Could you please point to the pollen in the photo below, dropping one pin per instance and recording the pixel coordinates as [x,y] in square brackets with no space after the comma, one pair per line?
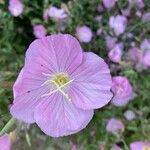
[146,148]
[61,79]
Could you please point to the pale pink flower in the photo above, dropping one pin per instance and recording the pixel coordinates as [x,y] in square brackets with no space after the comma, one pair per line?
[123,91]
[126,11]
[129,115]
[115,126]
[138,13]
[116,53]
[145,45]
[110,42]
[139,3]
[140,145]
[118,24]
[15,7]
[146,17]
[39,31]
[5,142]
[135,55]
[57,13]
[60,85]
[84,34]
[109,3]
[146,59]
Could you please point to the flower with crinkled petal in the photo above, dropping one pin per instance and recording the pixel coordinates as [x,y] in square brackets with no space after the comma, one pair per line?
[60,85]
[118,24]
[84,34]
[140,145]
[15,7]
[115,126]
[123,91]
[5,142]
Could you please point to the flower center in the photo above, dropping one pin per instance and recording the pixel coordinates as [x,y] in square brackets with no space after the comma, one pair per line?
[146,148]
[59,81]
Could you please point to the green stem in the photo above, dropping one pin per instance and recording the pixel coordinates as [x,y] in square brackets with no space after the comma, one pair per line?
[8,126]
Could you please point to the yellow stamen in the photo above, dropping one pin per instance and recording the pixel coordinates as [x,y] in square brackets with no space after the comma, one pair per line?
[60,81]
[146,148]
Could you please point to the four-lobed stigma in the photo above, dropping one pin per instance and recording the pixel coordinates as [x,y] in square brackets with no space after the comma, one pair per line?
[59,81]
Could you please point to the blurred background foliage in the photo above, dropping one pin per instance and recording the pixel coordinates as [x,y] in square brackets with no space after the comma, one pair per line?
[15,36]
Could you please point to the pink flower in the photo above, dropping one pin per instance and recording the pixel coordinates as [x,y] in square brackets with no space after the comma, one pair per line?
[126,11]
[15,7]
[139,145]
[115,126]
[123,91]
[145,45]
[115,147]
[118,24]
[60,85]
[39,31]
[138,13]
[139,3]
[146,17]
[84,34]
[110,42]
[135,55]
[129,115]
[57,13]
[146,59]
[5,142]
[116,53]
[109,3]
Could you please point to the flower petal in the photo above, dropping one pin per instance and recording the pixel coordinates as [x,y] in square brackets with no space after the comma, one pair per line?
[92,83]
[27,93]
[24,104]
[59,117]
[55,54]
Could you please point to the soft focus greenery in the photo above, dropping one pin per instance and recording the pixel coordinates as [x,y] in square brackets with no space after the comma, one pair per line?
[15,36]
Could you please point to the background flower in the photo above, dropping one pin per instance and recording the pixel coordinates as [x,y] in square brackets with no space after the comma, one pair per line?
[109,3]
[39,31]
[118,24]
[139,145]
[123,91]
[84,34]
[115,126]
[129,115]
[5,143]
[56,13]
[15,7]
